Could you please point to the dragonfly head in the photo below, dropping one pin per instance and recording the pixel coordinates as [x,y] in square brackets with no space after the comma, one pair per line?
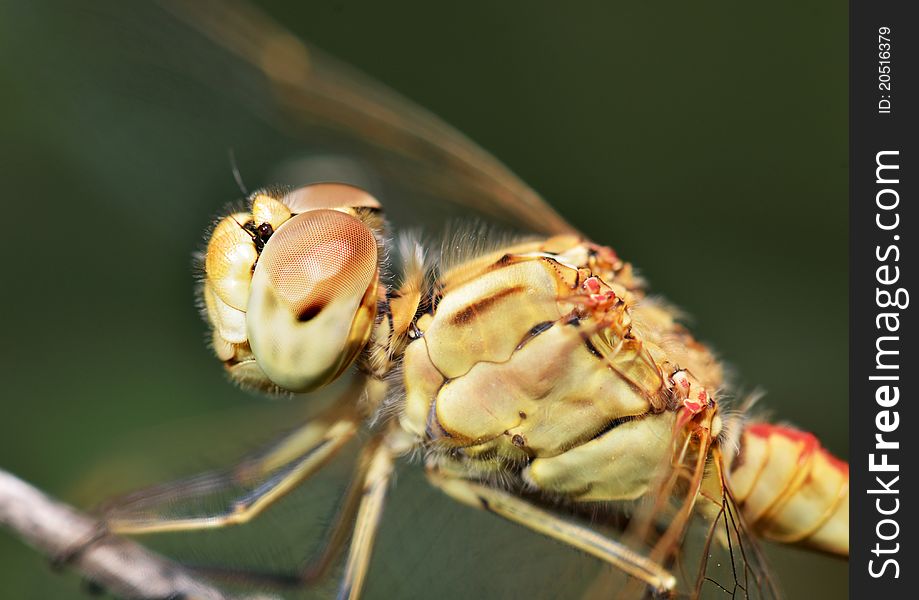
[309,297]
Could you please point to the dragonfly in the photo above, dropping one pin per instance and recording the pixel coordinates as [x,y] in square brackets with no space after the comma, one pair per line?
[531,376]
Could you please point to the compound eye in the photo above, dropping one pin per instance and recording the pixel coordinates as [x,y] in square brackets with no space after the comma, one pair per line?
[313,298]
[329,195]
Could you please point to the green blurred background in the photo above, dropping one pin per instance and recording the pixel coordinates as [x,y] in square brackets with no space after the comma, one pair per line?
[706,142]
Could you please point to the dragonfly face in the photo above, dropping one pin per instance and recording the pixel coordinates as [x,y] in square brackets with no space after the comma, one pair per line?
[298,316]
[413,173]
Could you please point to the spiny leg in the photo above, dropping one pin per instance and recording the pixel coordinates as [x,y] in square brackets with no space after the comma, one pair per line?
[337,537]
[374,488]
[269,476]
[318,567]
[583,538]
[365,498]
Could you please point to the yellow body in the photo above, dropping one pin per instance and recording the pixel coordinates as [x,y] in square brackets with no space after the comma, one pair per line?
[513,368]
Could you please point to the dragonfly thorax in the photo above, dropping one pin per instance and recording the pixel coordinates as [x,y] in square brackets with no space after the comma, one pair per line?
[532,362]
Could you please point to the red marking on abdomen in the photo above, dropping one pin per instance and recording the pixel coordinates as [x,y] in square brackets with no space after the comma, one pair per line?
[810,441]
[764,430]
[838,463]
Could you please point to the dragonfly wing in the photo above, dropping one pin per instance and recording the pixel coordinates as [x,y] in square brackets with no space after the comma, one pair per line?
[223,75]
[423,162]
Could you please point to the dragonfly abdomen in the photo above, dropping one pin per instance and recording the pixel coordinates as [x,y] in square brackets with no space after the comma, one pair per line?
[791,489]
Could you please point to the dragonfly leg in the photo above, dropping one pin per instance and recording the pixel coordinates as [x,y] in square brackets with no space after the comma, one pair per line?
[357,518]
[373,494]
[340,532]
[257,482]
[518,510]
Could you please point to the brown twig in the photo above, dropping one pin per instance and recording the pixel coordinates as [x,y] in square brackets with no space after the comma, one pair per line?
[122,567]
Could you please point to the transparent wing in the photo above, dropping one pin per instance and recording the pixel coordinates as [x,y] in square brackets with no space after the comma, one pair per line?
[737,567]
[301,89]
[290,114]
